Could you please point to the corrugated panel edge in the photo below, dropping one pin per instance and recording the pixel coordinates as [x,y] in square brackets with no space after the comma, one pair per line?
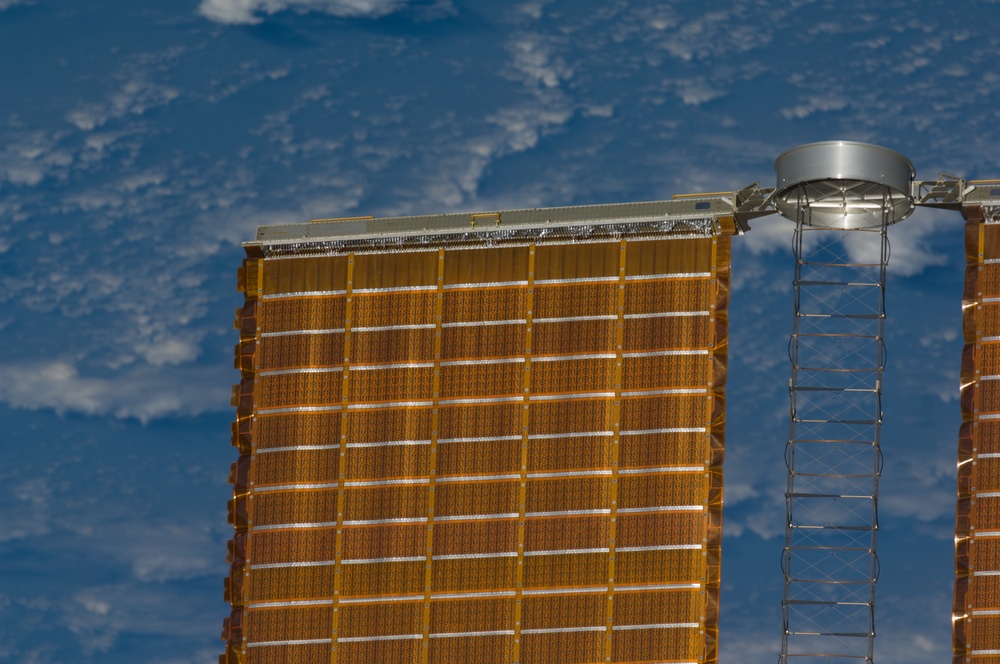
[967,430]
[250,283]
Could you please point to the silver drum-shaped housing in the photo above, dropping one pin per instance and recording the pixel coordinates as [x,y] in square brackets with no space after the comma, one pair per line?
[844,184]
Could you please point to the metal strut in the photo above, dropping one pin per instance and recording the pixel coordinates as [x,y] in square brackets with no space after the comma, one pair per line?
[833,455]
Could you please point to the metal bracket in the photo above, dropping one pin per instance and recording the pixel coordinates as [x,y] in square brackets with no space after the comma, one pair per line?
[947,192]
[752,202]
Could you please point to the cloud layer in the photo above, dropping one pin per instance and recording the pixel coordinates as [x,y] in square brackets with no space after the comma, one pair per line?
[247,12]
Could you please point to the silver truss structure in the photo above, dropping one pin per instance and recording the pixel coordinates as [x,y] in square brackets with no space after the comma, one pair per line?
[833,454]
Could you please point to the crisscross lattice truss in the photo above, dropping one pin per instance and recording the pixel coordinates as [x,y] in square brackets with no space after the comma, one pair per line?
[833,454]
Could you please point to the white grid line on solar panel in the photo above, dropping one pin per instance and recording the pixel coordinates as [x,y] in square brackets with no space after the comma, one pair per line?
[477,517]
[480,594]
[326,293]
[987,533]
[659,547]
[452,635]
[302,370]
[391,637]
[492,360]
[568,358]
[578,395]
[473,400]
[573,319]
[986,612]
[283,526]
[466,635]
[570,473]
[664,353]
[989,455]
[661,508]
[989,416]
[642,432]
[390,443]
[667,314]
[566,474]
[990,377]
[334,485]
[988,494]
[564,552]
[678,390]
[671,275]
[311,563]
[439,635]
[389,328]
[570,434]
[478,439]
[499,284]
[577,280]
[975,653]
[487,517]
[604,589]
[412,559]
[295,602]
[293,642]
[291,487]
[395,365]
[298,448]
[293,333]
[485,323]
[490,517]
[988,261]
[341,330]
[991,338]
[986,573]
[393,289]
[297,409]
[478,478]
[530,515]
[660,469]
[389,404]
[485,284]
[657,626]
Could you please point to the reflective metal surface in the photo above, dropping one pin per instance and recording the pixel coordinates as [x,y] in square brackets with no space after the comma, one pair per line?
[844,184]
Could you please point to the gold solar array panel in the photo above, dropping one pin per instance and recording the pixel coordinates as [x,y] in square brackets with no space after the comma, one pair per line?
[462,453]
[976,612]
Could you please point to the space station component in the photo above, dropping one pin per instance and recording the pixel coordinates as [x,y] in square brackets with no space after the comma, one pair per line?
[482,438]
[842,197]
[498,436]
[976,609]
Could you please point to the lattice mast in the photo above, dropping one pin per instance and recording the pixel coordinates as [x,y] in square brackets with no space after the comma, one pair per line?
[842,197]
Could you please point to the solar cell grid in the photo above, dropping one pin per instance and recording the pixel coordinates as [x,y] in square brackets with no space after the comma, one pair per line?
[506,454]
[977,587]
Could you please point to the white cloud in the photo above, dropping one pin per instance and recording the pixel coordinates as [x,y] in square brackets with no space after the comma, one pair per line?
[911,251]
[29,516]
[159,552]
[814,104]
[99,615]
[144,392]
[135,96]
[534,59]
[247,12]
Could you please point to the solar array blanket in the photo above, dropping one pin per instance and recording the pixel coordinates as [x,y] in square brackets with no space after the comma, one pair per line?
[976,612]
[491,454]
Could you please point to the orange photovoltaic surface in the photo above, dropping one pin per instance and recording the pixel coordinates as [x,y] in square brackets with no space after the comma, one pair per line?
[976,611]
[461,453]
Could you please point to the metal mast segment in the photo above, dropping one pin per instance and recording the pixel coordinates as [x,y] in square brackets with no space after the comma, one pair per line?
[842,197]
